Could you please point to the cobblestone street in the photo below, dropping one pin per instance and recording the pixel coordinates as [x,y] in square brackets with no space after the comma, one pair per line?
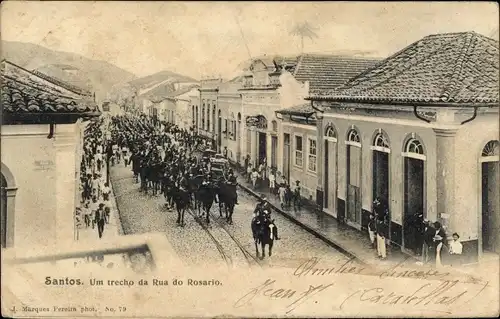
[221,243]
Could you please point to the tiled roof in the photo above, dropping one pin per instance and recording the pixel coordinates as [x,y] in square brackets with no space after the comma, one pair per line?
[302,109]
[330,71]
[24,92]
[448,68]
[65,85]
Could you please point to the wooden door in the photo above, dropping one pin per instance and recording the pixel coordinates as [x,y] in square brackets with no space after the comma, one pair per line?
[274,147]
[286,157]
[332,177]
[354,184]
[353,203]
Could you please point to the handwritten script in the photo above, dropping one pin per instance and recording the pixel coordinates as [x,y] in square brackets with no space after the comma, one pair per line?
[270,290]
[438,291]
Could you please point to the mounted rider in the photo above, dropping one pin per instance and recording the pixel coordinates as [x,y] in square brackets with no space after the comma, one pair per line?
[262,215]
[183,183]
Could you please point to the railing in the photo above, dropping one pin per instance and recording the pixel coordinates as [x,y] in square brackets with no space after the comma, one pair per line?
[140,253]
[274,82]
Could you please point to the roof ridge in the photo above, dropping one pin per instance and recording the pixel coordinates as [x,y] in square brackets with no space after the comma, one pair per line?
[68,86]
[379,63]
[41,76]
[400,69]
[418,61]
[454,81]
[450,34]
[339,56]
[37,88]
[299,64]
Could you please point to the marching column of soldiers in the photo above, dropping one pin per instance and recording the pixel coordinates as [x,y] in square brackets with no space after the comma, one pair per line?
[162,158]
[161,154]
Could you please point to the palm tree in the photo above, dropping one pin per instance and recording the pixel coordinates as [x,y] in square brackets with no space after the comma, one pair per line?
[304,29]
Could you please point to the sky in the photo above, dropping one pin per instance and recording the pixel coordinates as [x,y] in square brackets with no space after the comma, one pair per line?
[206,39]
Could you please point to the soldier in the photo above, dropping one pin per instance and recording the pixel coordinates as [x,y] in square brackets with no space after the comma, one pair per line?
[232,181]
[263,212]
[260,206]
[183,182]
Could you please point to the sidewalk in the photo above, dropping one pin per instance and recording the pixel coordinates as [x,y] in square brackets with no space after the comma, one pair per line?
[113,229]
[344,238]
[350,241]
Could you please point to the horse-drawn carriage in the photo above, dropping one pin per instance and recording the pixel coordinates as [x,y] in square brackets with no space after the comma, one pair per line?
[218,168]
[208,154]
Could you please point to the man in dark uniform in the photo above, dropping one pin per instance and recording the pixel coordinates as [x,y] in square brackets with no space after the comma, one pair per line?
[183,182]
[428,252]
[232,181]
[100,219]
[262,212]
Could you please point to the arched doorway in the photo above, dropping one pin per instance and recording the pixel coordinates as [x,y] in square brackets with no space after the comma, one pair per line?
[4,213]
[490,212]
[274,145]
[381,151]
[414,191]
[330,171]
[7,207]
[261,126]
[353,145]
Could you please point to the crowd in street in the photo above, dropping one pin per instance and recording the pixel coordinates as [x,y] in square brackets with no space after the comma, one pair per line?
[162,157]
[94,187]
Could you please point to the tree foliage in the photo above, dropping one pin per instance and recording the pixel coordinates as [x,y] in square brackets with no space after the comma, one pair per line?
[304,30]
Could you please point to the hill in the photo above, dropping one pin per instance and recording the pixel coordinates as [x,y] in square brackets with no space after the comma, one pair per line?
[101,76]
[160,77]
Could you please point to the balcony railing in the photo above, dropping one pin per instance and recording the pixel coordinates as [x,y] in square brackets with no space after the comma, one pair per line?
[274,82]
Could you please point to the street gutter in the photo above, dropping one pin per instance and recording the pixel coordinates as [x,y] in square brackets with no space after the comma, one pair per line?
[311,230]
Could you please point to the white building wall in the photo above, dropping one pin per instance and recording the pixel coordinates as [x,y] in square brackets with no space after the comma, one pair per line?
[45,175]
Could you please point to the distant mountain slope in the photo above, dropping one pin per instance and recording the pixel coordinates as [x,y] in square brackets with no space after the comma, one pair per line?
[101,75]
[159,77]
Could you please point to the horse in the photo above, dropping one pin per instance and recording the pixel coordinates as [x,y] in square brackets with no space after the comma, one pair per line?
[144,173]
[227,199]
[155,176]
[262,231]
[181,199]
[205,196]
[168,190]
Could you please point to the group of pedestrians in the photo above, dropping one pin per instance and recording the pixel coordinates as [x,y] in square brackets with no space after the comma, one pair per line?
[95,191]
[436,248]
[429,238]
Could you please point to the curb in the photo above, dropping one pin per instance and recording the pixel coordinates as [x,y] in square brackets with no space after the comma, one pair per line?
[311,230]
[118,218]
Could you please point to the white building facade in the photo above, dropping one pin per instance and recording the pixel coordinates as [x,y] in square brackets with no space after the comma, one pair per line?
[41,152]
